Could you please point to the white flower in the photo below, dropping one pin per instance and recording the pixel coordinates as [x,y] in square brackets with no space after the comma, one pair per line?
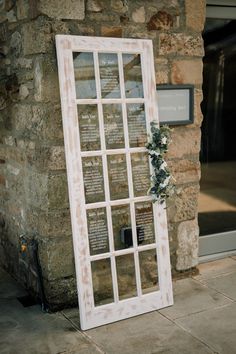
[163,165]
[165,183]
[164,140]
[153,152]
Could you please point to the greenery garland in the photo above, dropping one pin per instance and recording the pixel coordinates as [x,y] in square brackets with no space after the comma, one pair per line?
[161,187]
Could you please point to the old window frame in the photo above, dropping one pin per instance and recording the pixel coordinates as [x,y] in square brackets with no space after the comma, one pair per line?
[90,315]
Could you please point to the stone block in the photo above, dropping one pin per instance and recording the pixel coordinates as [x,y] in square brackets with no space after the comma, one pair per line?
[61,292]
[185,170]
[56,223]
[187,251]
[56,257]
[195,14]
[36,189]
[184,142]
[162,76]
[111,31]
[48,122]
[37,36]
[22,9]
[16,44]
[183,205]
[56,159]
[162,20]
[57,191]
[187,72]
[180,43]
[46,80]
[60,9]
[119,6]
[94,5]
[138,15]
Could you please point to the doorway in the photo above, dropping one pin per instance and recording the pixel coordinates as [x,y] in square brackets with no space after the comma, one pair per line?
[217,201]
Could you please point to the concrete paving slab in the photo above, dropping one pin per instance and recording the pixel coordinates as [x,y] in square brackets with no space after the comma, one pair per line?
[225,284]
[215,327]
[33,332]
[215,268]
[190,297]
[27,330]
[9,287]
[73,316]
[147,334]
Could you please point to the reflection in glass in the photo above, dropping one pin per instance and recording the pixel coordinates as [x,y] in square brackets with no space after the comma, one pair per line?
[141,173]
[117,172]
[93,179]
[89,127]
[144,223]
[136,125]
[85,84]
[132,75]
[125,269]
[109,75]
[102,282]
[122,231]
[113,125]
[148,271]
[97,231]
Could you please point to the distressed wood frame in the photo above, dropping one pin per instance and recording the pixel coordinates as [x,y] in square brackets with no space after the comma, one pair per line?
[90,315]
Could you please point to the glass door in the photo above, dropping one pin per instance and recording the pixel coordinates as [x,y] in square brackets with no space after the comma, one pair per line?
[217,202]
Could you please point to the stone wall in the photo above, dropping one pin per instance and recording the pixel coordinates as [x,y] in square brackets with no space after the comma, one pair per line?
[33,183]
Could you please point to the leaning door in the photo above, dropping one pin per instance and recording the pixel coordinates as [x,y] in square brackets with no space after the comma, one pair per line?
[120,237]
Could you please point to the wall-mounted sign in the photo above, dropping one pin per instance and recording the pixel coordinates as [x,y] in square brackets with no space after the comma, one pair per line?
[120,238]
[175,104]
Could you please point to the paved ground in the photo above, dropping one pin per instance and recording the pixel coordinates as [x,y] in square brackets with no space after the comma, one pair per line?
[202,321]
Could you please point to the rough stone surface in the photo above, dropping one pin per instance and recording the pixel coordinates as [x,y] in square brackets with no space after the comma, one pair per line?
[185,170]
[181,44]
[139,15]
[187,252]
[187,71]
[56,258]
[183,205]
[195,14]
[111,31]
[37,37]
[160,21]
[60,9]
[94,5]
[191,145]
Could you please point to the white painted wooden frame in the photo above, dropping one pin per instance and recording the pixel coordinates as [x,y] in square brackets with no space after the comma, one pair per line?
[90,315]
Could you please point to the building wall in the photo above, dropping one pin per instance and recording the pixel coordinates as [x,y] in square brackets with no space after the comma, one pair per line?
[33,184]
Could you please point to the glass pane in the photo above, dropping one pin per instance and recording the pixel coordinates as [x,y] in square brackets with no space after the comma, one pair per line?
[113,125]
[141,173]
[148,271]
[97,231]
[132,75]
[89,127]
[118,181]
[144,223]
[85,85]
[93,179]
[136,124]
[126,276]
[109,75]
[122,230]
[102,282]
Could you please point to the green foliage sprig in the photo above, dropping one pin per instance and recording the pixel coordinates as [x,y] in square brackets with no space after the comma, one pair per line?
[161,186]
